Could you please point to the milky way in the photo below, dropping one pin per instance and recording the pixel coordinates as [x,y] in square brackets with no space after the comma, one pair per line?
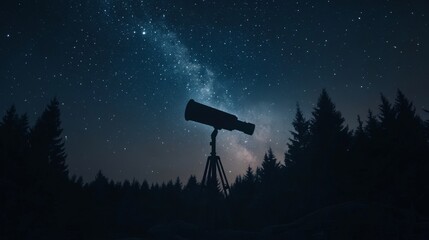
[202,85]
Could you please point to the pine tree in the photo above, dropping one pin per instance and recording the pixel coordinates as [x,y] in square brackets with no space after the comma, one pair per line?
[372,126]
[408,153]
[359,139]
[387,115]
[100,184]
[10,118]
[249,177]
[362,159]
[244,185]
[299,141]
[102,204]
[192,184]
[365,157]
[248,185]
[407,122]
[327,123]
[329,148]
[49,167]
[328,133]
[359,133]
[192,201]
[144,187]
[178,185]
[47,143]
[270,168]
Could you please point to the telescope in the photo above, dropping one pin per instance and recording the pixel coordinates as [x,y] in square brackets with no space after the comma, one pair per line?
[218,119]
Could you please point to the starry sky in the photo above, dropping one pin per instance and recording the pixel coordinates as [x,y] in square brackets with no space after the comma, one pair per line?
[123,72]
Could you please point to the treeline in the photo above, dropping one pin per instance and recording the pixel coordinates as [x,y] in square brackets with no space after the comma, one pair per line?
[40,201]
[383,161]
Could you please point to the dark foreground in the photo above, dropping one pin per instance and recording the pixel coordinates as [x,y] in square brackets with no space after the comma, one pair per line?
[351,220]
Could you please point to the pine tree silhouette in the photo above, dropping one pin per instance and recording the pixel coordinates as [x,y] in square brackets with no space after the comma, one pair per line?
[192,184]
[410,147]
[46,139]
[360,132]
[371,156]
[372,126]
[300,139]
[267,189]
[249,177]
[270,168]
[387,116]
[329,147]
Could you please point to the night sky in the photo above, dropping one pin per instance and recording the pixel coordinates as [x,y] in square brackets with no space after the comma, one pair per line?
[123,72]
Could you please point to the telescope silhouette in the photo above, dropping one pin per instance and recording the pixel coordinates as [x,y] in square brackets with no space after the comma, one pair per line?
[216,118]
[219,120]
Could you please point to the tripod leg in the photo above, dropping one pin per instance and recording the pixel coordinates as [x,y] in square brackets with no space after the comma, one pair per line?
[222,173]
[203,182]
[212,180]
[210,173]
[223,178]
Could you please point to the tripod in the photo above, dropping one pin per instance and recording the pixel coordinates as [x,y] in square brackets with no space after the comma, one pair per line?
[214,165]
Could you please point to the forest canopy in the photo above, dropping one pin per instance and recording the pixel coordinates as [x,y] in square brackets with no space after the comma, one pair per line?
[382,164]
